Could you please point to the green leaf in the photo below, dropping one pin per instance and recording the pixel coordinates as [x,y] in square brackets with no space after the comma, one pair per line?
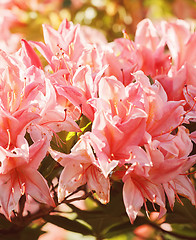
[69,139]
[184,230]
[182,213]
[31,233]
[70,225]
[84,121]
[101,219]
[119,229]
[85,129]
[150,80]
[28,138]
[47,165]
[66,3]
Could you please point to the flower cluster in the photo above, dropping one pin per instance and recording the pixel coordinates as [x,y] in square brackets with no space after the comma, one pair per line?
[136,97]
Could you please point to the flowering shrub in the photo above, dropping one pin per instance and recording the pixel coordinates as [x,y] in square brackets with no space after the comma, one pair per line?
[98,117]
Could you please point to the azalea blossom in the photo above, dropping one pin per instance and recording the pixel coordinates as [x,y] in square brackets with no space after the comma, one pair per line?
[80,167]
[120,110]
[24,179]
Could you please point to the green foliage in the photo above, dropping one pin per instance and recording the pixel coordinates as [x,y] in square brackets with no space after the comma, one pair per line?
[103,221]
[31,233]
[70,225]
[47,165]
[69,139]
[66,3]
[182,213]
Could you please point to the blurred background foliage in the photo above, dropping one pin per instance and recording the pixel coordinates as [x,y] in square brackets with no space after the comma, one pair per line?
[111,17]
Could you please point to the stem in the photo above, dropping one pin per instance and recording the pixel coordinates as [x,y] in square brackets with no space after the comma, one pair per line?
[83,197]
[19,222]
[21,205]
[99,238]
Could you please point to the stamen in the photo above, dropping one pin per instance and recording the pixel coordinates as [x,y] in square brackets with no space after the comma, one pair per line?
[125,35]
[60,48]
[22,189]
[71,49]
[68,68]
[178,199]
[9,139]
[123,77]
[146,208]
[116,108]
[188,173]
[176,194]
[126,108]
[57,138]
[154,206]
[56,121]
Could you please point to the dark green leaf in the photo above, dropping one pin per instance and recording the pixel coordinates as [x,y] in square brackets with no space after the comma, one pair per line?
[66,3]
[119,229]
[184,230]
[150,80]
[31,233]
[47,165]
[182,213]
[70,225]
[28,138]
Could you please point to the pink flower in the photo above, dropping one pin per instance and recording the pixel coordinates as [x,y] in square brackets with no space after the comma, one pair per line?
[151,47]
[118,122]
[166,162]
[122,58]
[80,167]
[25,179]
[130,91]
[64,47]
[137,188]
[163,115]
[180,41]
[27,89]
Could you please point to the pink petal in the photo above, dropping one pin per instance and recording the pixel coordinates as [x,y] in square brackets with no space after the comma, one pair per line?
[146,35]
[32,58]
[36,186]
[10,192]
[37,152]
[184,187]
[71,178]
[193,136]
[99,183]
[133,199]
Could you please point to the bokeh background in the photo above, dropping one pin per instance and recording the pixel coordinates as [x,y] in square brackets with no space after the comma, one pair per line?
[24,19]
